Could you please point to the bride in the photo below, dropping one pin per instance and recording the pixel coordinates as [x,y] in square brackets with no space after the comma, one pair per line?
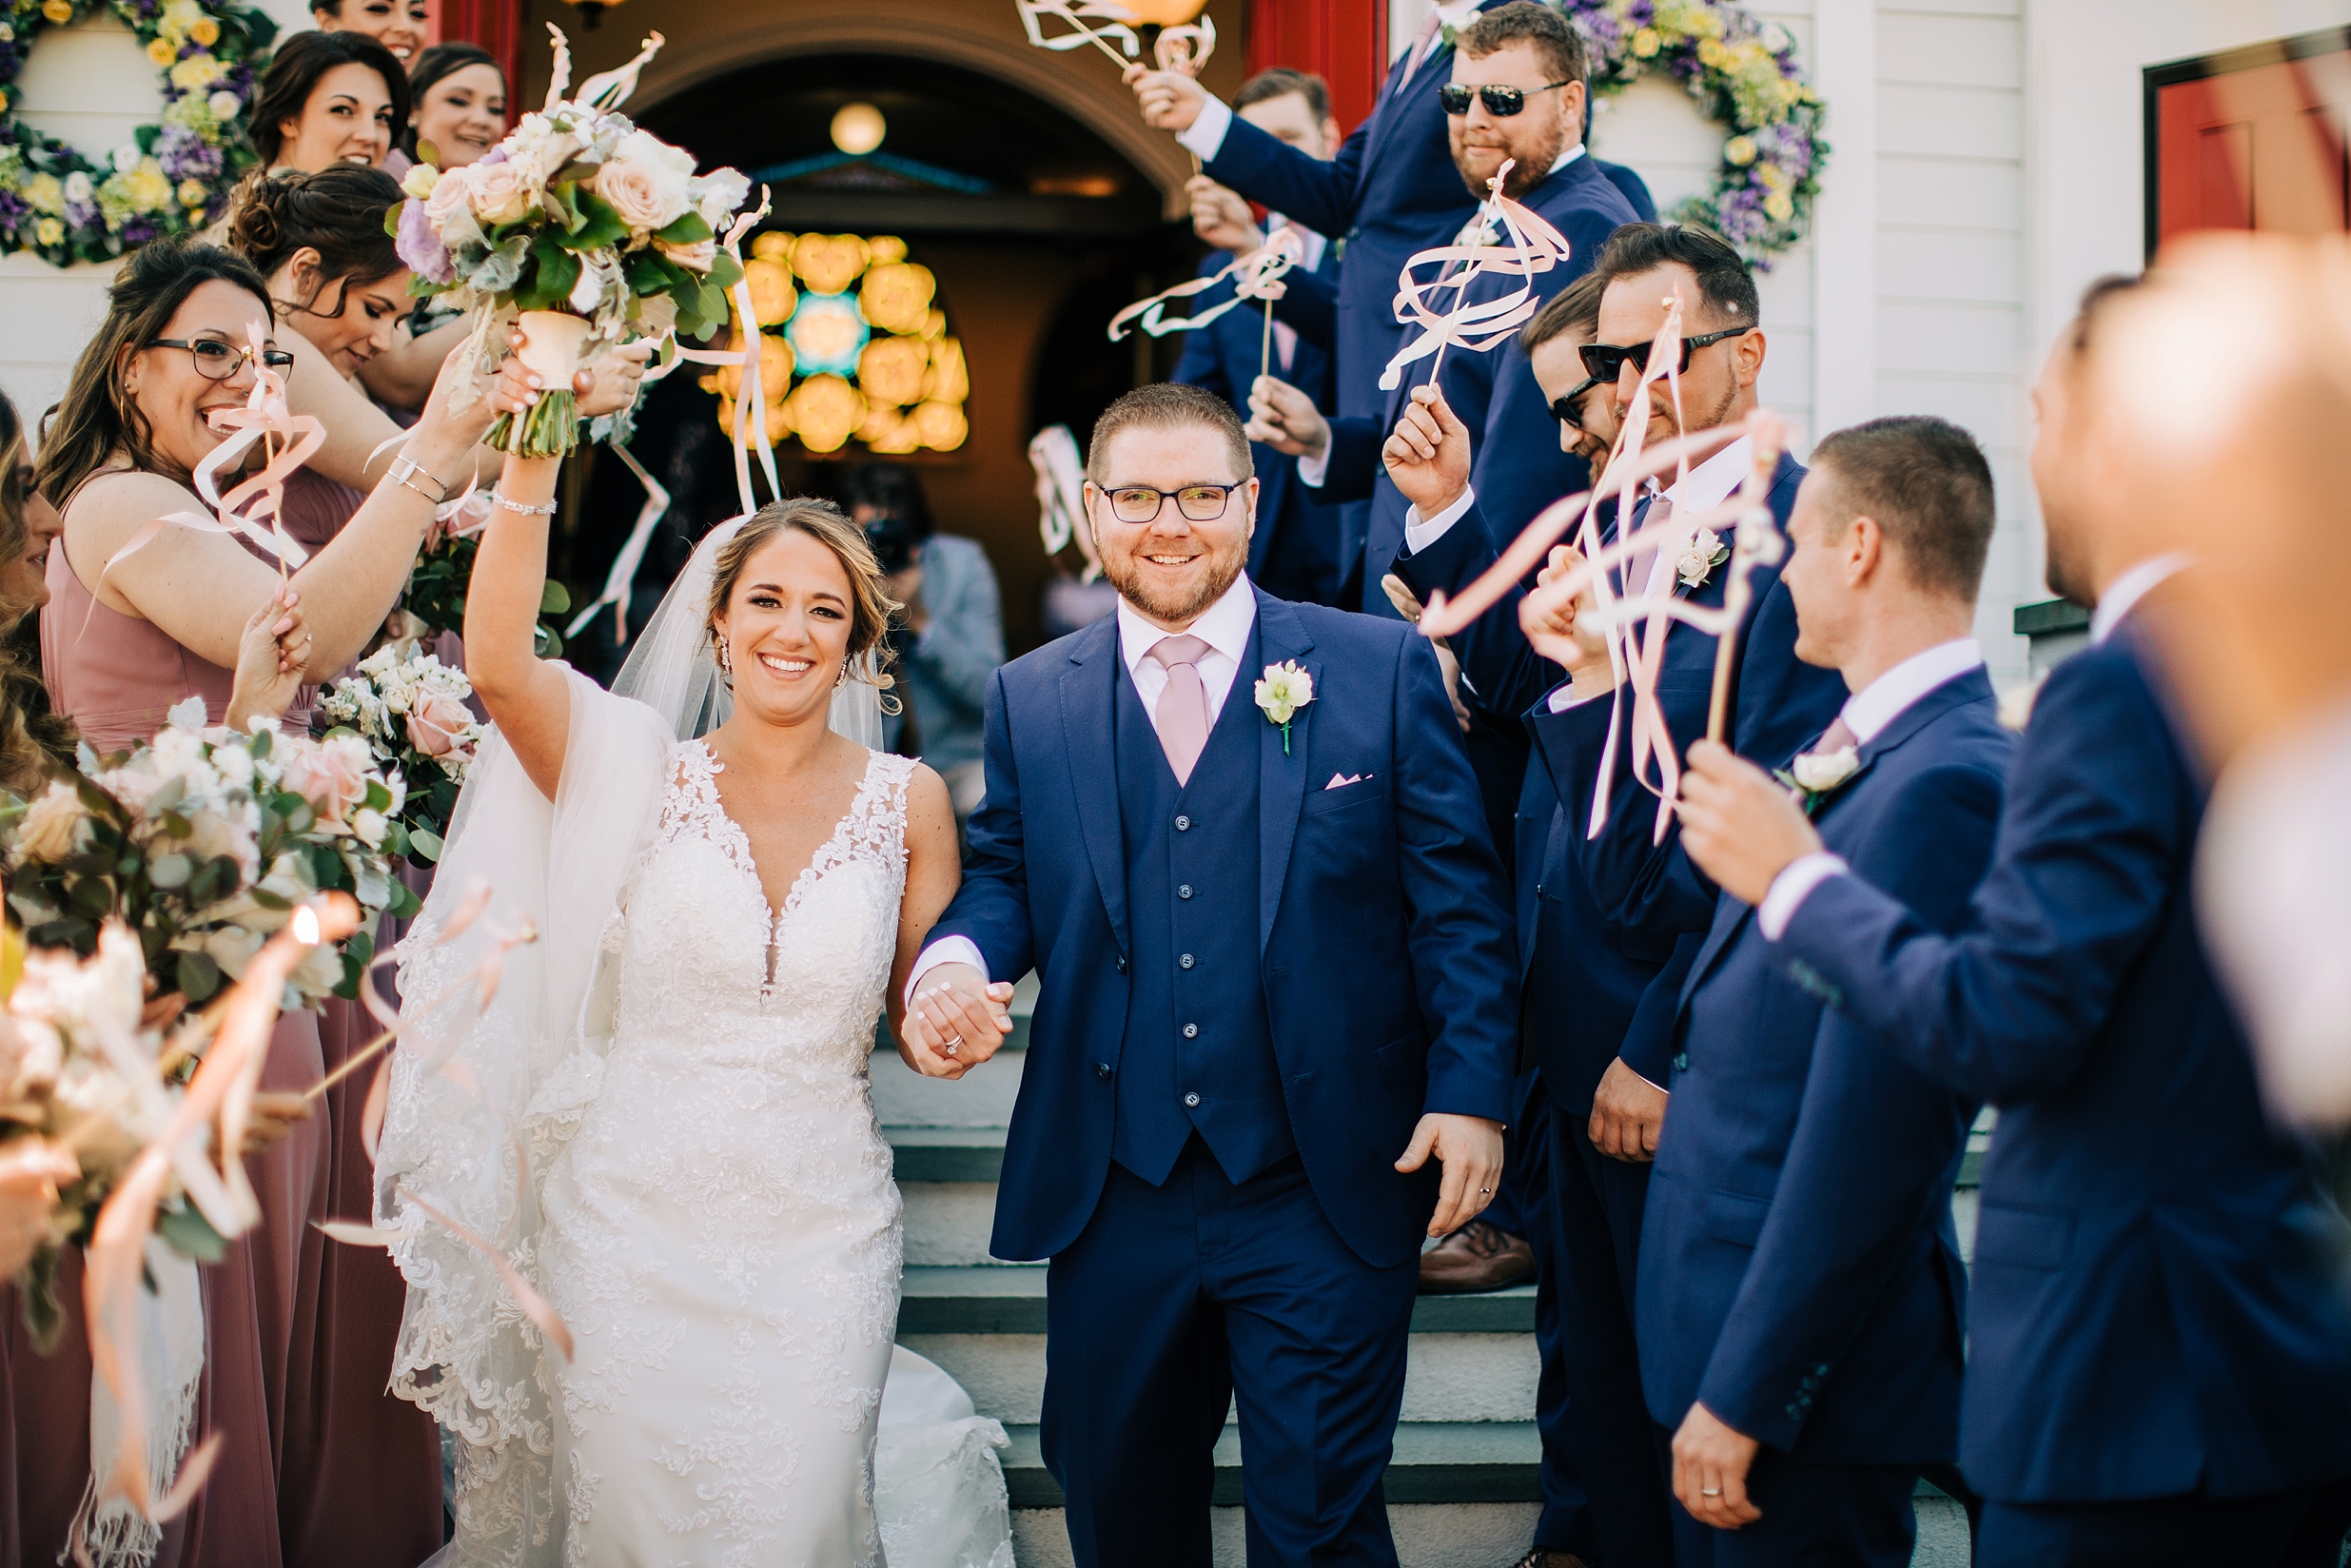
[663,1116]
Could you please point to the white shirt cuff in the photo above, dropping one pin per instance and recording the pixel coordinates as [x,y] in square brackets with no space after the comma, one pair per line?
[1563,698]
[1314,470]
[1418,535]
[1789,890]
[1204,136]
[946,950]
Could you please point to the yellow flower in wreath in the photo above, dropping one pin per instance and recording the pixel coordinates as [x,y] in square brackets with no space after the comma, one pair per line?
[1739,151]
[48,231]
[205,32]
[44,194]
[59,11]
[192,193]
[147,187]
[196,72]
[1710,53]
[1645,44]
[162,52]
[1777,208]
[4,102]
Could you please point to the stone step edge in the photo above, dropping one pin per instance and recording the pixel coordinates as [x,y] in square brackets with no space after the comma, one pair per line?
[976,1155]
[1433,1461]
[1009,1298]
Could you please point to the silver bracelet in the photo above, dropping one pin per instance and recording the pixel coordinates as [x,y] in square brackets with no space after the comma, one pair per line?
[547,510]
[406,469]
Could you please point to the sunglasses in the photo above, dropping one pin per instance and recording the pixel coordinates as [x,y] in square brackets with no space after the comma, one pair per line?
[217,360]
[1501,101]
[1566,409]
[1606,362]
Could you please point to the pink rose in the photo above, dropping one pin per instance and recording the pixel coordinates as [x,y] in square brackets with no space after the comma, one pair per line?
[646,195]
[500,192]
[697,257]
[453,190]
[437,727]
[332,776]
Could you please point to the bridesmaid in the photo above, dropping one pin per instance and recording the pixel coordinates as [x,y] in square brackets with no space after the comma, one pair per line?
[120,645]
[330,98]
[361,1483]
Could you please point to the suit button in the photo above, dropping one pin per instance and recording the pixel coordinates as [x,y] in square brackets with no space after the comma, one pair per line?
[1539,889]
[1821,1371]
[1184,892]
[1681,1061]
[1186,960]
[1192,1099]
[1102,1069]
[1183,824]
[1191,1031]
[1122,963]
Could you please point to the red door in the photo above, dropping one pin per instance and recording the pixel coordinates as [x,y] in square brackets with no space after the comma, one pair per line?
[2252,139]
[1345,42]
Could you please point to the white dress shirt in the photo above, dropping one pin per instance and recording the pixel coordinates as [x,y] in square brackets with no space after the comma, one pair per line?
[1866,713]
[1224,626]
[2123,594]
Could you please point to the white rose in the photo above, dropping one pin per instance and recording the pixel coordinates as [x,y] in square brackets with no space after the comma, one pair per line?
[419,182]
[78,188]
[369,826]
[1822,770]
[223,105]
[127,157]
[640,146]
[646,195]
[51,825]
[1695,564]
[499,193]
[718,195]
[451,192]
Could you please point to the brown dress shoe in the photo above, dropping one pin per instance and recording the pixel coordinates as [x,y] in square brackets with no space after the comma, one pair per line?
[1476,1257]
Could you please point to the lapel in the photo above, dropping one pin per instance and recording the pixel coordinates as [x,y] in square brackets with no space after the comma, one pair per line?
[1281,780]
[1392,102]
[1088,705]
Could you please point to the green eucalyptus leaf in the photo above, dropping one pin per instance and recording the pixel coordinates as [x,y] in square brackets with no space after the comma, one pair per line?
[689,230]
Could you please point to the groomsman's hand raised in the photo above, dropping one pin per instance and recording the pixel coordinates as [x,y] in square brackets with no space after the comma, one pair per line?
[1287,420]
[1710,1462]
[1738,824]
[1470,1148]
[1221,217]
[1171,100]
[1427,455]
[958,1021]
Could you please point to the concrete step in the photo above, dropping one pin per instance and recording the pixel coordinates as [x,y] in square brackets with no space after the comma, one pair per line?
[1435,1461]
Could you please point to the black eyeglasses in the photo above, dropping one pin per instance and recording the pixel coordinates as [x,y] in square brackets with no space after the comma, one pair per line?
[1199,502]
[1565,409]
[1605,362]
[1501,101]
[218,359]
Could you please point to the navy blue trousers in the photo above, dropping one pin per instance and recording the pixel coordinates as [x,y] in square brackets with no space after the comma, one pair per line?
[1616,1450]
[1174,1301]
[2289,1530]
[1814,1516]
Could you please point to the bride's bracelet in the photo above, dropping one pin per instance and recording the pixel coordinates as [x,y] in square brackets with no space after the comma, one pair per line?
[544,510]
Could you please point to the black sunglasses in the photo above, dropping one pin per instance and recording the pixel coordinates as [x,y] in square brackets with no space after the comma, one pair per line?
[218,359]
[1564,408]
[1605,362]
[1499,101]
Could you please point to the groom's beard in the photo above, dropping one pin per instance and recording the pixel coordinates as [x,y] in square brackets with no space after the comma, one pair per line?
[1169,607]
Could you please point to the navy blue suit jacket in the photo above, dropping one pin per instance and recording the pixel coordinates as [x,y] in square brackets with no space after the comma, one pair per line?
[1778,702]
[1516,466]
[1581,978]
[1799,1273]
[1381,918]
[1296,529]
[2159,1302]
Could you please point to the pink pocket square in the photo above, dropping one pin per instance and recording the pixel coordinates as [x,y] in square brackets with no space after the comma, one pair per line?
[1341,781]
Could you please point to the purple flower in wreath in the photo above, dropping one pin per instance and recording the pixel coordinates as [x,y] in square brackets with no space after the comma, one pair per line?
[138,230]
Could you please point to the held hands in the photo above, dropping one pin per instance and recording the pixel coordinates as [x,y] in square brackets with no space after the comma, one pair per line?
[1710,1462]
[1285,419]
[1169,99]
[1428,453]
[957,1021]
[1221,217]
[1738,822]
[271,657]
[1628,1113]
[1470,1148]
[1563,630]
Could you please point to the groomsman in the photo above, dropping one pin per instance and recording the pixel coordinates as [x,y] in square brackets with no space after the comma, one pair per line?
[1599,987]
[1294,554]
[1800,1283]
[2160,1341]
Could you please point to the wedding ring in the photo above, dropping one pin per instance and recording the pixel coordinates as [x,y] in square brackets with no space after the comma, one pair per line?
[1487,1190]
[1709,1491]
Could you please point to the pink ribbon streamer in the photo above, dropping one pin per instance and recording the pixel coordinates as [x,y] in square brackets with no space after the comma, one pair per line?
[1185,47]
[1532,246]
[1256,274]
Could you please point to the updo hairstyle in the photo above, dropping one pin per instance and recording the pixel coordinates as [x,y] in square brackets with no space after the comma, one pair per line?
[337,211]
[871,609]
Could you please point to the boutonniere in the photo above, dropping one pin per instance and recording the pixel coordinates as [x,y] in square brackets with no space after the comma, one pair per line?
[1813,777]
[1284,690]
[1697,562]
[1448,32]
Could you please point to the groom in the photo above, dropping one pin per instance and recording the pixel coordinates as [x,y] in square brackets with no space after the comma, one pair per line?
[1276,978]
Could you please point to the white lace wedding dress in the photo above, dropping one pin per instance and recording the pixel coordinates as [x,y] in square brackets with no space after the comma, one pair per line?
[722,1231]
[664,1122]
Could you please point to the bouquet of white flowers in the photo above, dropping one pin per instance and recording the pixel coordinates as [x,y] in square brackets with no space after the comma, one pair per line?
[586,229]
[201,843]
[410,709]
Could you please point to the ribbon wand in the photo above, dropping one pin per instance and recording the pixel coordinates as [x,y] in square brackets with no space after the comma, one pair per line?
[1265,351]
[1756,541]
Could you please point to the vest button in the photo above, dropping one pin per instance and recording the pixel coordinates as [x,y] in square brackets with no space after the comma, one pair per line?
[1186,960]
[1102,1069]
[1183,824]
[1192,1099]
[1191,1031]
[1122,963]
[1681,1061]
[1539,889]
[1184,892]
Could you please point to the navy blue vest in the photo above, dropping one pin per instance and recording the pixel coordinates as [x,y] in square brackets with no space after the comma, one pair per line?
[1197,1055]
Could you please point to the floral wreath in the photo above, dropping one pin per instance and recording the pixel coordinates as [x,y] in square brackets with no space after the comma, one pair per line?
[1743,74]
[172,177]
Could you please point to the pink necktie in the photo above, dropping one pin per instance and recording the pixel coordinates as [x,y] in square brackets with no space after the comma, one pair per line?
[1836,737]
[1181,717]
[1429,24]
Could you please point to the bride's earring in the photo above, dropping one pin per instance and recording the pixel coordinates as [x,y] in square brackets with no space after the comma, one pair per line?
[842,680]
[726,661]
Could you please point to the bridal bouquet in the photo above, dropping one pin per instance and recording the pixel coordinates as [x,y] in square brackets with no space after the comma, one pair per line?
[410,709]
[582,229]
[201,843]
